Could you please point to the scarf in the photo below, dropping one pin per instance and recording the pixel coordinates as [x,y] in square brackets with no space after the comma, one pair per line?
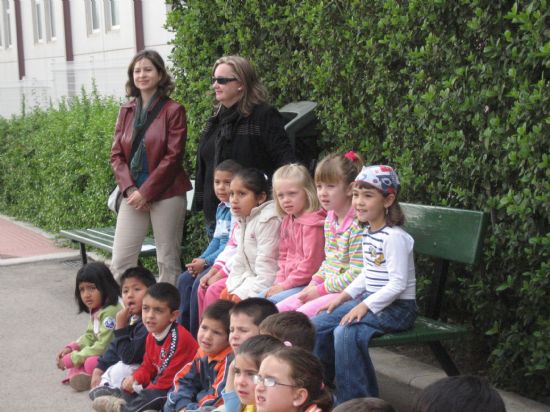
[224,134]
[137,164]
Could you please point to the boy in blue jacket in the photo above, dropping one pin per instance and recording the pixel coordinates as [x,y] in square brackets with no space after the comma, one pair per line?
[198,386]
[125,353]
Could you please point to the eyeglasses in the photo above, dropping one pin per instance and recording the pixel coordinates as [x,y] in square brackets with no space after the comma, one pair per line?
[268,382]
[223,80]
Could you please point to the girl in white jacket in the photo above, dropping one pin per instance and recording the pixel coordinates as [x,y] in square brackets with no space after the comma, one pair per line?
[255,263]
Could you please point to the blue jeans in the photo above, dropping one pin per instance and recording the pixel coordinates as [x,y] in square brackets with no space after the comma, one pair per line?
[344,350]
[189,306]
[278,297]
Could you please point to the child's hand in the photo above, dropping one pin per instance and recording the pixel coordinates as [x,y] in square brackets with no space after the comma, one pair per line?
[96,377]
[229,383]
[355,315]
[196,266]
[122,317]
[342,297]
[60,364]
[59,359]
[273,290]
[128,384]
[309,293]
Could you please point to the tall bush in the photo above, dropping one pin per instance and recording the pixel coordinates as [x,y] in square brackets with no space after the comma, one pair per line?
[55,164]
[455,94]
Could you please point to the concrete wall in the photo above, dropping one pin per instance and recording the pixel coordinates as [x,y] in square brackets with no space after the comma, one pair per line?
[100,56]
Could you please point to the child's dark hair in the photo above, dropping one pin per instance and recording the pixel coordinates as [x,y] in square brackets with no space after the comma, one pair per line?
[394,213]
[256,308]
[228,165]
[365,405]
[293,327]
[336,167]
[254,180]
[219,311]
[140,273]
[459,393]
[258,347]
[99,274]
[306,372]
[165,292]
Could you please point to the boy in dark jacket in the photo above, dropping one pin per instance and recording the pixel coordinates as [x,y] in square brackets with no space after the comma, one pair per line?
[200,383]
[125,353]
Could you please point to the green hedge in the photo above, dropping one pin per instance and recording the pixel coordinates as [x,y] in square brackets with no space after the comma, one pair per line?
[455,94]
[55,164]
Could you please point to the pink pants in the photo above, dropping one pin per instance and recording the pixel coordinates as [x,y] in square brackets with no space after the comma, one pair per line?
[208,296]
[87,367]
[309,308]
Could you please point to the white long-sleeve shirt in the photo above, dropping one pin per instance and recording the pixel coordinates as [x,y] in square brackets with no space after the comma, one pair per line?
[388,268]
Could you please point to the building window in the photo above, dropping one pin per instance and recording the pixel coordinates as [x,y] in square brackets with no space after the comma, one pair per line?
[92,16]
[38,17]
[112,14]
[6,17]
[95,14]
[50,20]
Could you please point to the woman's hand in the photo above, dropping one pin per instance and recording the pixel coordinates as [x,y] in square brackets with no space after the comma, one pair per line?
[136,200]
[309,293]
[355,315]
[273,290]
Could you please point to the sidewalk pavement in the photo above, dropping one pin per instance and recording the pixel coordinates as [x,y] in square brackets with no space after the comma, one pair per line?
[38,316]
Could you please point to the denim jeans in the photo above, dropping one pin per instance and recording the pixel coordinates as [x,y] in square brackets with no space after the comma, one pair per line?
[189,308]
[344,350]
[278,297]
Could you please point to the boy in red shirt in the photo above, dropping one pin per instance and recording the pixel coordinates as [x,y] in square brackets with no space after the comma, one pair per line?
[168,348]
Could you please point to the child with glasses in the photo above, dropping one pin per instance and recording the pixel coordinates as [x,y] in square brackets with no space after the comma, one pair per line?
[239,395]
[291,380]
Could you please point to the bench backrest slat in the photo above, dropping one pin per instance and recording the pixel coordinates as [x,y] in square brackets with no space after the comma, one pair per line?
[446,233]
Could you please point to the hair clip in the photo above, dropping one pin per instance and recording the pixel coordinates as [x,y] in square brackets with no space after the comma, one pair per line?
[287,344]
[351,155]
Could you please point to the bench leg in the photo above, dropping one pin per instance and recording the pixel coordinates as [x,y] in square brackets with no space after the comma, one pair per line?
[83,254]
[444,359]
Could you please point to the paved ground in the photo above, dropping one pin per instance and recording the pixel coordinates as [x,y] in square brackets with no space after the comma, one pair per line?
[37,318]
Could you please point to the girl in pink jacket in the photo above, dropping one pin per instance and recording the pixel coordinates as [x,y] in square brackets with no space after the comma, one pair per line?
[301,246]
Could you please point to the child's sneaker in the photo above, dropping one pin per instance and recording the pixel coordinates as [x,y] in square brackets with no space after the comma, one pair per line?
[104,391]
[108,404]
[80,382]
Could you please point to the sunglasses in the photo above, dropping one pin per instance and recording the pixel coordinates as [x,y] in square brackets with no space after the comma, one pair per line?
[223,80]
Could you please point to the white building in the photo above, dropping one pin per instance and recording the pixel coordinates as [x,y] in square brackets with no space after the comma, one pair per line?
[50,49]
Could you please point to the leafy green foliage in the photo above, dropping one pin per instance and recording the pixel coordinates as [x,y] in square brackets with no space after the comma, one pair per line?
[454,94]
[55,164]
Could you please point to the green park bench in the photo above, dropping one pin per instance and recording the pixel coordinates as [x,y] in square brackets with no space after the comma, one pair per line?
[446,235]
[103,237]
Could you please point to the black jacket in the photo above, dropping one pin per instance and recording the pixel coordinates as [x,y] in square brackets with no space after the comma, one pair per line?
[258,140]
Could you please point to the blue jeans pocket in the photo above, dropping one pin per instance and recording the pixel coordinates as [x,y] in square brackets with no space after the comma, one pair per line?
[398,316]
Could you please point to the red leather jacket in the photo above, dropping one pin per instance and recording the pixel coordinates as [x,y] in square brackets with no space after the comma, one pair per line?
[164,145]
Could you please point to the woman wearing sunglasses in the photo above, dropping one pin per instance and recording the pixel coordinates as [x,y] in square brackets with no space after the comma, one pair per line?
[146,158]
[244,128]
